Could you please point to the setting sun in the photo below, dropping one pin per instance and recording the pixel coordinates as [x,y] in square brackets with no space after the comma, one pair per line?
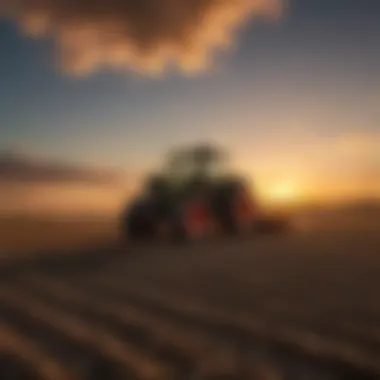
[281,192]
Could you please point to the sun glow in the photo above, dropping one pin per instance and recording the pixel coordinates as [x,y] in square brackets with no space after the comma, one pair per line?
[283,192]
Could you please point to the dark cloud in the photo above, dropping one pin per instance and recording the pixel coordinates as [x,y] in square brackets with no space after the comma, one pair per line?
[144,35]
[21,169]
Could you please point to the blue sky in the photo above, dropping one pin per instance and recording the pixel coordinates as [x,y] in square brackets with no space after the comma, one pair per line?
[286,92]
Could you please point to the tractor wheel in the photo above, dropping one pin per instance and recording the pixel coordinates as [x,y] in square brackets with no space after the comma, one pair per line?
[243,212]
[236,212]
[138,228]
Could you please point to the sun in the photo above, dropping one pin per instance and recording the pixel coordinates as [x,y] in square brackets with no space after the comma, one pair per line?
[283,192]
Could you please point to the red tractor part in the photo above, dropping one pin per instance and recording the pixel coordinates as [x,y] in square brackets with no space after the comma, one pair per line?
[197,220]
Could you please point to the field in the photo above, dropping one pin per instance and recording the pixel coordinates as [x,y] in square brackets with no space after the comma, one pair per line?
[22,235]
[301,306]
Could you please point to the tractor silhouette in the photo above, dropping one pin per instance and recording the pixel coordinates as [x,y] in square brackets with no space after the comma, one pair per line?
[196,197]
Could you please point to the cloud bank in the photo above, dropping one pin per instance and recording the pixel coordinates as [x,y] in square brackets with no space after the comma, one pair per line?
[142,35]
[37,186]
[21,169]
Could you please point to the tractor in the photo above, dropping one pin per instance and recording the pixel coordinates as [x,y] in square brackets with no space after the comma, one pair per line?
[195,197]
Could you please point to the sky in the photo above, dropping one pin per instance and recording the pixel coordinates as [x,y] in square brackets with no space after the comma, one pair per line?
[292,89]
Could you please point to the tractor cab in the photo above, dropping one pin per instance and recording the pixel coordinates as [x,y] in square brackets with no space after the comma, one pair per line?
[190,170]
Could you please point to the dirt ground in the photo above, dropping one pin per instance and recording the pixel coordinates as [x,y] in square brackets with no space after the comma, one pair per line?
[31,235]
[301,306]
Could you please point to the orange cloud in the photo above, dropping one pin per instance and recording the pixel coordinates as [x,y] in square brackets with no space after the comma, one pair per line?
[143,35]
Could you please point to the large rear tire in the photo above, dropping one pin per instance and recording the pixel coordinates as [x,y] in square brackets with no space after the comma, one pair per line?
[138,224]
[234,209]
